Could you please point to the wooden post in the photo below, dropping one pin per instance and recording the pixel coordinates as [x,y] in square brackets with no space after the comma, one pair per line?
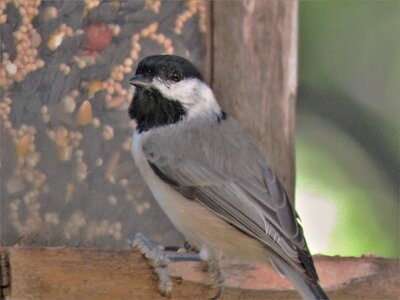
[255,74]
[66,273]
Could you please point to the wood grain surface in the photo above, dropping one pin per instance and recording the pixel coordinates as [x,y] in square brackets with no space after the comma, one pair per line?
[62,273]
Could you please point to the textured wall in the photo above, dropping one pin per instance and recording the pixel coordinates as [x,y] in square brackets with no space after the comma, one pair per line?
[67,177]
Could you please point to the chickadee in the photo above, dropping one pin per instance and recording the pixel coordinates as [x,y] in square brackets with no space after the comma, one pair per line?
[210,179]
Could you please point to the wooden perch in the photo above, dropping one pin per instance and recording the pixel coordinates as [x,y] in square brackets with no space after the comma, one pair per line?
[66,273]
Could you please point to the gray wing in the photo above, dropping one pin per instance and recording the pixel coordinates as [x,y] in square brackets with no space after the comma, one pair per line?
[218,165]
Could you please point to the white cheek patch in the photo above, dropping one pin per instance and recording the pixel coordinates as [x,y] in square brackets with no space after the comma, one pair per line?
[195,95]
[181,91]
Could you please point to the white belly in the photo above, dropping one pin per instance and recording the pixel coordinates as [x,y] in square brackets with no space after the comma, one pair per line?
[196,222]
[178,208]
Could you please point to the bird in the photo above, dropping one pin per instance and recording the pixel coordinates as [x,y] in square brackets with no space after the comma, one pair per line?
[210,179]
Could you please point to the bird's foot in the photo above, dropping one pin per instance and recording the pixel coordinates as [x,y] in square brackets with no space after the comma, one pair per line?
[216,279]
[157,259]
[160,260]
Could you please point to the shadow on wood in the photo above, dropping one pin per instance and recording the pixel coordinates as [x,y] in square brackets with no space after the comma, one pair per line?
[67,273]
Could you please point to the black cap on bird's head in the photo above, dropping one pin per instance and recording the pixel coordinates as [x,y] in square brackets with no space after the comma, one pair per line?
[168,88]
[168,68]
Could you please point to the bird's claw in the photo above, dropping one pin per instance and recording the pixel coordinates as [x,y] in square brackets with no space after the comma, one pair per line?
[165,282]
[157,259]
[150,250]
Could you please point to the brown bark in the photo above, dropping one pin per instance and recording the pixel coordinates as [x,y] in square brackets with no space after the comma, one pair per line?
[255,74]
[62,273]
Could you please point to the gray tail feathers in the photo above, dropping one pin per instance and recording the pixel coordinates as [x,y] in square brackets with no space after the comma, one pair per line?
[309,290]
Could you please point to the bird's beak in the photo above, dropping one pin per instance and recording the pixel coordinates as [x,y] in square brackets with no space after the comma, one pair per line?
[141,81]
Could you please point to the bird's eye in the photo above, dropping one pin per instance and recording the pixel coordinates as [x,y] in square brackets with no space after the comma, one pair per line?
[175,76]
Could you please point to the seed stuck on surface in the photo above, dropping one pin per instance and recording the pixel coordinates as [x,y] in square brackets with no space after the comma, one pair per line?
[57,37]
[94,86]
[108,132]
[84,115]
[64,153]
[23,144]
[65,69]
[69,104]
[96,123]
[97,36]
[154,5]
[50,13]
[11,68]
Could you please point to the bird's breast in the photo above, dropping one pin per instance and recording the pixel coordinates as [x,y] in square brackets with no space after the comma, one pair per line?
[181,211]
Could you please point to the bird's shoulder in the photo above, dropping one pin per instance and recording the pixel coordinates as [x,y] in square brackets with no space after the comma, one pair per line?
[221,144]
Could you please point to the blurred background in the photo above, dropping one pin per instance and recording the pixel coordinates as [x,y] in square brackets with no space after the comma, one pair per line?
[347,139]
[67,177]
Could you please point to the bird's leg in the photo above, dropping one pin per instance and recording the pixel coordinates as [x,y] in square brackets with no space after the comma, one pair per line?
[159,260]
[216,278]
[211,257]
[211,261]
